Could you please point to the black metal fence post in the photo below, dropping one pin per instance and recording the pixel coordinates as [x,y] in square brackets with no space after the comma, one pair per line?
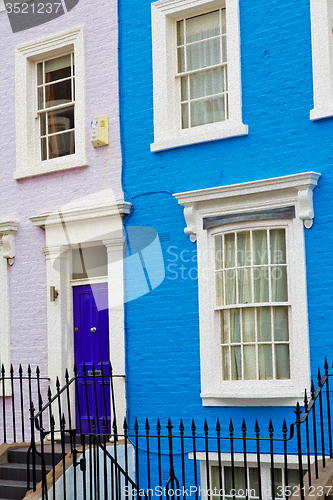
[271,431]
[328,409]
[307,437]
[299,449]
[257,432]
[285,455]
[244,429]
[321,419]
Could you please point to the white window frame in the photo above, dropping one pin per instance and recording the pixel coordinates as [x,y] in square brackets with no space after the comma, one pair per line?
[167,131]
[28,158]
[293,190]
[265,466]
[322,58]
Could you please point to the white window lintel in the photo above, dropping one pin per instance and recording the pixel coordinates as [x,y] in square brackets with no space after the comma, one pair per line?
[296,189]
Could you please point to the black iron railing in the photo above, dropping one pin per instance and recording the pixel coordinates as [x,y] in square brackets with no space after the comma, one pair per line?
[18,391]
[188,460]
[92,413]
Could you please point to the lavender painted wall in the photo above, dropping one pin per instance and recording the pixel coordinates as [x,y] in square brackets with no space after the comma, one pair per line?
[21,199]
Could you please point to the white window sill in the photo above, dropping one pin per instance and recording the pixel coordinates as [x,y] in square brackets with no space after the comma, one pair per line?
[256,401]
[205,133]
[255,393]
[321,113]
[50,166]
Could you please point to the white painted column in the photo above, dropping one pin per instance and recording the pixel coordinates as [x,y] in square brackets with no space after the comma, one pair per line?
[7,255]
[115,252]
[4,312]
[59,319]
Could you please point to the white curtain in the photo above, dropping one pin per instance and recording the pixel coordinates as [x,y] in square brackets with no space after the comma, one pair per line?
[239,324]
[202,51]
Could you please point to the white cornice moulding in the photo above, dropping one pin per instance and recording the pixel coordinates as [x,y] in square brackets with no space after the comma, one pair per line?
[84,213]
[277,192]
[55,41]
[171,6]
[7,234]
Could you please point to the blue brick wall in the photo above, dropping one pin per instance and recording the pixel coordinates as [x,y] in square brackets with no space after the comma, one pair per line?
[162,332]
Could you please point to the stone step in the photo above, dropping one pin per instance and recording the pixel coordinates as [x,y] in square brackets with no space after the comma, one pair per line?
[12,489]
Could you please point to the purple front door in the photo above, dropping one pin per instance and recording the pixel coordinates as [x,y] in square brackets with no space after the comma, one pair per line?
[91,345]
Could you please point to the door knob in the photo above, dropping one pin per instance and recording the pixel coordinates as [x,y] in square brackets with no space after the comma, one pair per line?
[93,329]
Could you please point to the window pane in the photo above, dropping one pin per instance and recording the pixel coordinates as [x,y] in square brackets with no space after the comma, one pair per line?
[223,21]
[260,247]
[225,327]
[244,286]
[39,73]
[89,262]
[229,250]
[56,69]
[184,88]
[43,124]
[279,284]
[218,252]
[201,27]
[293,477]
[180,33]
[250,362]
[207,83]
[239,476]
[61,145]
[225,363]
[264,324]
[265,362]
[282,363]
[185,122]
[181,60]
[277,482]
[236,363]
[248,325]
[235,326]
[230,278]
[278,246]
[208,110]
[203,54]
[43,149]
[253,481]
[58,93]
[244,249]
[40,97]
[261,288]
[224,49]
[280,318]
[219,288]
[61,120]
[216,478]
